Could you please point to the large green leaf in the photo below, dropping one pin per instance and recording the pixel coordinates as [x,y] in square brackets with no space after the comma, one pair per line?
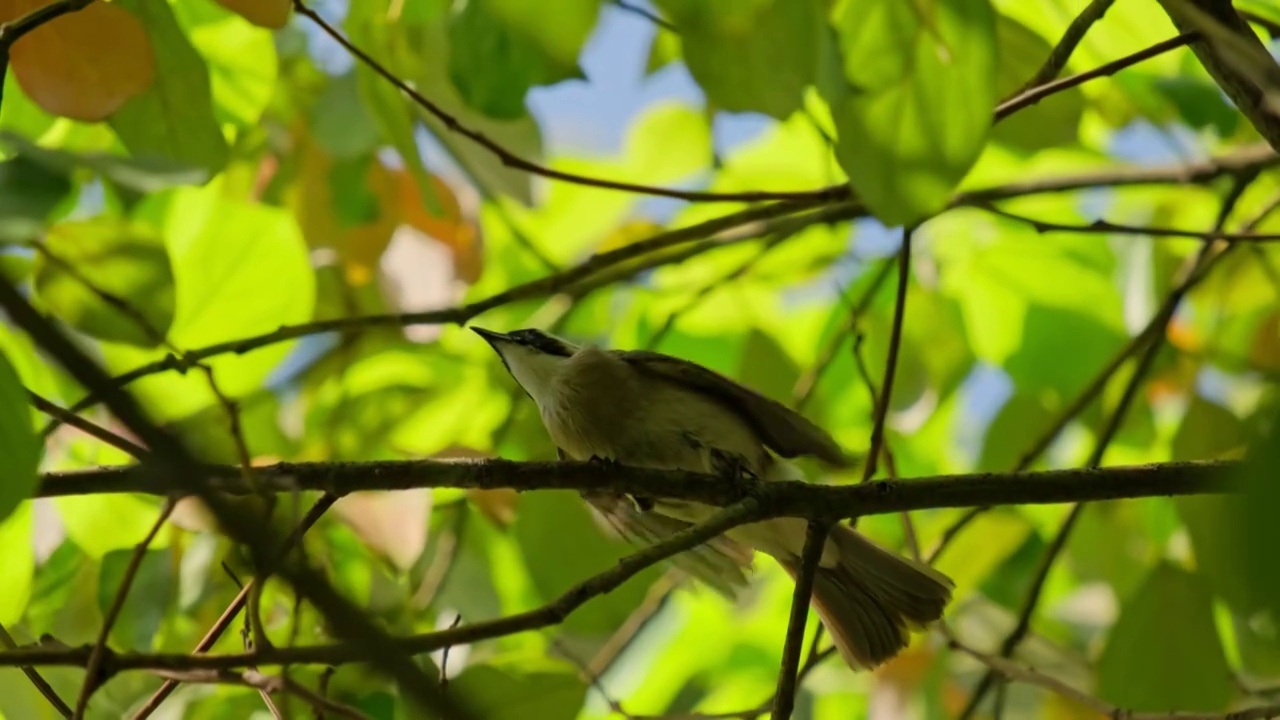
[173,118]
[1208,431]
[241,269]
[493,62]
[341,123]
[19,445]
[510,692]
[1164,651]
[750,55]
[917,108]
[150,599]
[29,192]
[109,280]
[1054,120]
[241,57]
[18,568]
[563,546]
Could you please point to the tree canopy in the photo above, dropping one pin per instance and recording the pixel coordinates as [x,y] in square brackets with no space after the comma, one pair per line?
[1017,256]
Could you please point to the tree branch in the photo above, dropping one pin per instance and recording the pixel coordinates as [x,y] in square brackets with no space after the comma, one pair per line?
[37,679]
[1075,33]
[1105,227]
[790,498]
[742,512]
[815,539]
[891,362]
[1235,58]
[174,466]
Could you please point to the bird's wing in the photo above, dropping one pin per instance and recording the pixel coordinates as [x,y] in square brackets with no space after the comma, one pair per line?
[782,429]
[721,563]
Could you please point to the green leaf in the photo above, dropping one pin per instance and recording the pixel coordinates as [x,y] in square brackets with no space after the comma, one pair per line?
[143,175]
[558,29]
[18,569]
[1199,103]
[242,59]
[507,693]
[562,546]
[150,598]
[29,192]
[341,123]
[750,55]
[100,524]
[241,269]
[107,279]
[174,117]
[918,107]
[19,445]
[1164,651]
[766,368]
[1208,431]
[664,49]
[1061,351]
[1054,120]
[1018,424]
[493,64]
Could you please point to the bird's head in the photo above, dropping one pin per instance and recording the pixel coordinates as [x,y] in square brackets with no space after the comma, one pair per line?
[531,356]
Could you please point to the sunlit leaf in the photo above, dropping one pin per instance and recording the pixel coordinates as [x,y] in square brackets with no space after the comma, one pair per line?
[85,64]
[221,294]
[108,280]
[174,117]
[265,13]
[757,55]
[102,524]
[917,108]
[1145,665]
[17,571]
[242,61]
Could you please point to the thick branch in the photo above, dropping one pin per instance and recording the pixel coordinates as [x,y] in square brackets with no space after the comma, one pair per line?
[798,499]
[1235,58]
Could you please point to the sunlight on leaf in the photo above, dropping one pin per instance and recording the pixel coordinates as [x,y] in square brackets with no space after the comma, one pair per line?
[19,446]
[100,525]
[243,66]
[107,279]
[917,108]
[18,568]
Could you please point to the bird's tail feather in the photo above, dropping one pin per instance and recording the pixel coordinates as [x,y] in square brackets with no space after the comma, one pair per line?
[871,598]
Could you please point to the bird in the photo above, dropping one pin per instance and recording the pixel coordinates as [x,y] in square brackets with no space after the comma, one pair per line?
[641,408]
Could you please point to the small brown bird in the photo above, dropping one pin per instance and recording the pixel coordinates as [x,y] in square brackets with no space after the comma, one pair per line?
[647,409]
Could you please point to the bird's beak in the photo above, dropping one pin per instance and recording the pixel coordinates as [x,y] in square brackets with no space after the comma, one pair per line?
[491,337]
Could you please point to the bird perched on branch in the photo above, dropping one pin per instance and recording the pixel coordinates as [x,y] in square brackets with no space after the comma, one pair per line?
[646,409]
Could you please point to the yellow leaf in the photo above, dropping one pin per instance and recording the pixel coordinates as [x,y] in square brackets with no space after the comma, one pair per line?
[271,14]
[83,65]
[359,247]
[461,235]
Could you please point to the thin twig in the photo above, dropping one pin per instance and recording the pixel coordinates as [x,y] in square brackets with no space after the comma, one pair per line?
[1250,158]
[1071,39]
[94,665]
[444,655]
[89,428]
[808,383]
[1034,95]
[1194,271]
[1104,227]
[510,159]
[891,362]
[644,13]
[268,685]
[785,697]
[36,678]
[1022,673]
[233,609]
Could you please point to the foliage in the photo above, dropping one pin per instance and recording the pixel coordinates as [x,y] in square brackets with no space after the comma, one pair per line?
[225,196]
